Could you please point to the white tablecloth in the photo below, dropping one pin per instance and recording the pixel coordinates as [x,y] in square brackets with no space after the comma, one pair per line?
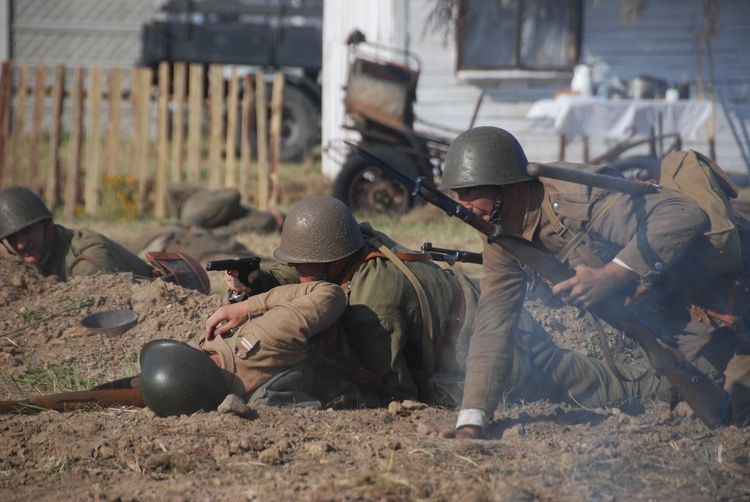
[618,118]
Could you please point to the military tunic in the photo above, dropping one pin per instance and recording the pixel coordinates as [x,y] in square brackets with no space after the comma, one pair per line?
[84,252]
[649,234]
[383,325]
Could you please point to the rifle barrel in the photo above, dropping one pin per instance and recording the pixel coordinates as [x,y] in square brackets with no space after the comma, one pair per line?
[590,179]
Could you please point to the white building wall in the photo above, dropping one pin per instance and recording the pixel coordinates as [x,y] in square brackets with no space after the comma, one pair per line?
[382,22]
[661,43]
[4,30]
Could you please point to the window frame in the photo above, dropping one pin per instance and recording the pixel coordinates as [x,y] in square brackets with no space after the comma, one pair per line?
[517,69]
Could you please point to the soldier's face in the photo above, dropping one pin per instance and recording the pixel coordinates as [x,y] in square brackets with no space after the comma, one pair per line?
[480,200]
[30,243]
[309,272]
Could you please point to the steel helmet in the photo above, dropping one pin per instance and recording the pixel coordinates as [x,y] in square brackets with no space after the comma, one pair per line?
[177,379]
[484,156]
[19,208]
[318,230]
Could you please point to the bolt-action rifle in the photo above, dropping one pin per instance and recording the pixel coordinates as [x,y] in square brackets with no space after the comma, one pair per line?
[123,392]
[709,401]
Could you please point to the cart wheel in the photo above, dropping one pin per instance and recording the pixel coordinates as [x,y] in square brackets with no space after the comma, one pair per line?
[639,168]
[365,188]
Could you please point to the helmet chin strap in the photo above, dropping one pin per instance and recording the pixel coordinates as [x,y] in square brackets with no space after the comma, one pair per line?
[49,233]
[496,208]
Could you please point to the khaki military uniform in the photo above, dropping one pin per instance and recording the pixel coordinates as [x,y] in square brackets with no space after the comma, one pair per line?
[384,327]
[650,234]
[281,324]
[84,252]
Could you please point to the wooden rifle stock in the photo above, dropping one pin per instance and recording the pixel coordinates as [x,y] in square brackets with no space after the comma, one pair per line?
[709,401]
[70,401]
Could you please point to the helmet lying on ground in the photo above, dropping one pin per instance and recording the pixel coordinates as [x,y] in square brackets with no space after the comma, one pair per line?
[178,379]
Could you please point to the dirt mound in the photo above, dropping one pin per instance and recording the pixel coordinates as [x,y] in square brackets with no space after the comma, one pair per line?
[538,451]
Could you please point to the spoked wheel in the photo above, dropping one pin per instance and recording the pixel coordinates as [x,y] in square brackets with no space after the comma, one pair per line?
[367,189]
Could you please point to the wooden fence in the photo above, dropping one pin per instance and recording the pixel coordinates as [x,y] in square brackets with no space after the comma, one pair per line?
[68,157]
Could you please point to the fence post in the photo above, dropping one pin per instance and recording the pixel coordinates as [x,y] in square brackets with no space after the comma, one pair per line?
[19,126]
[245,144]
[5,83]
[53,174]
[178,121]
[40,84]
[73,177]
[112,147]
[230,177]
[215,126]
[93,142]
[195,122]
[277,102]
[160,188]
[261,133]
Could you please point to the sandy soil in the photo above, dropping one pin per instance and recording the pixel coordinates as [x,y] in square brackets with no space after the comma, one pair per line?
[536,451]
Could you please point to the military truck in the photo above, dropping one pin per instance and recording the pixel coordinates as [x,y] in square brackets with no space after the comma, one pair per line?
[250,35]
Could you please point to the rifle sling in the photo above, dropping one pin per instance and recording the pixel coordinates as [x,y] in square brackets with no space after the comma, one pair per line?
[428,350]
[608,353]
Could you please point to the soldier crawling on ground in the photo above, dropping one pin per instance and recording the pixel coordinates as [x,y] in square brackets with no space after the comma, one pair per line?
[27,225]
[406,321]
[652,246]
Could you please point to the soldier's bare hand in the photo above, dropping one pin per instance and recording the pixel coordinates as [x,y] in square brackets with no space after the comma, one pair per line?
[590,285]
[225,319]
[465,432]
[231,278]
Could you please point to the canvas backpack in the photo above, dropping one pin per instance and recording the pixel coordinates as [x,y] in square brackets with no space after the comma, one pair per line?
[695,177]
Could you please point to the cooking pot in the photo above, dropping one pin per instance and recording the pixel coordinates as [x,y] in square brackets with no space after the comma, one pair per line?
[646,87]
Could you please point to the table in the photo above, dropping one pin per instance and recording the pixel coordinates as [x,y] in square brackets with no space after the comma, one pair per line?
[623,118]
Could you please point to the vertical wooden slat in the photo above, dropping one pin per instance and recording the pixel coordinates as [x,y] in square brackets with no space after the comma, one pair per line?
[112,146]
[160,188]
[215,142]
[135,85]
[245,144]
[178,121]
[261,131]
[145,75]
[52,193]
[277,101]
[93,142]
[230,178]
[37,123]
[18,176]
[5,84]
[73,170]
[195,125]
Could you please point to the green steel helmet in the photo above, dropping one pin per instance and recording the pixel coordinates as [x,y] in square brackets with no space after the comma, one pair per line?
[19,208]
[484,156]
[318,230]
[177,379]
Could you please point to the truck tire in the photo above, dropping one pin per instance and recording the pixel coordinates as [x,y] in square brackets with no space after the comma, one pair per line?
[300,125]
[365,188]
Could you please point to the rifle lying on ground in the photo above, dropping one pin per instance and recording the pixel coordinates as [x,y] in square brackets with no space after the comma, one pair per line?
[123,392]
[709,401]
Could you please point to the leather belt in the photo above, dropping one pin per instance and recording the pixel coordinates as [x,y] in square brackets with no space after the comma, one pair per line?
[457,315]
